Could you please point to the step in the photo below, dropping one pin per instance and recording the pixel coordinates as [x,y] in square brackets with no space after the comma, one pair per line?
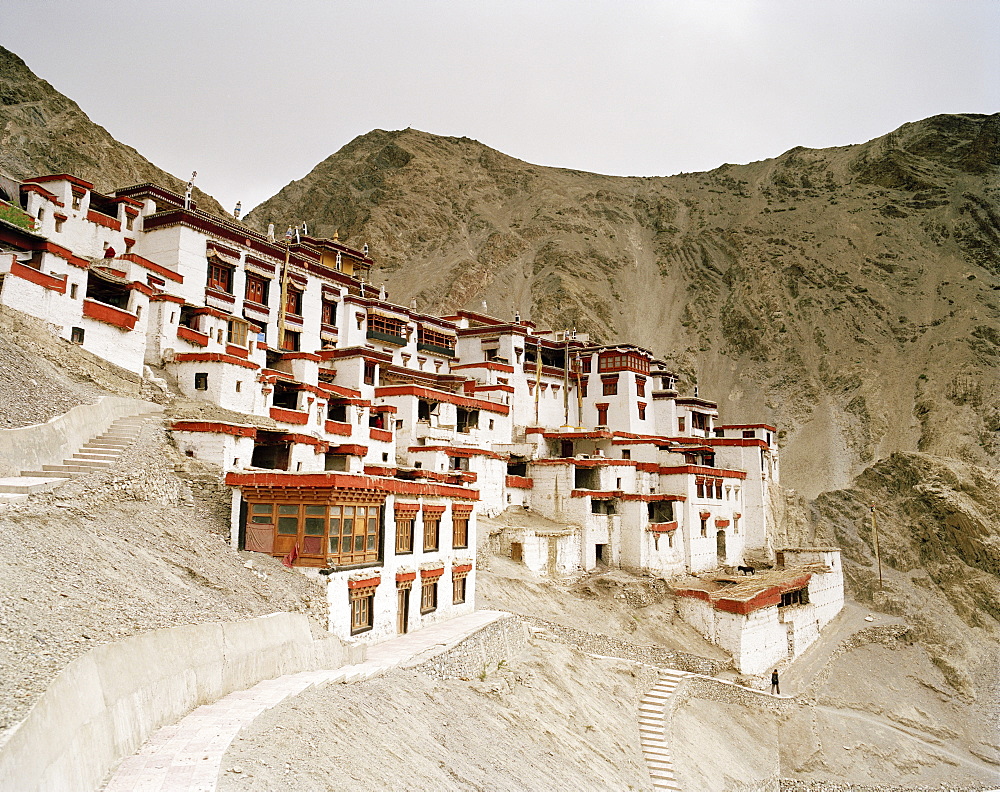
[23,485]
[68,469]
[63,474]
[95,456]
[87,463]
[669,786]
[105,448]
[8,497]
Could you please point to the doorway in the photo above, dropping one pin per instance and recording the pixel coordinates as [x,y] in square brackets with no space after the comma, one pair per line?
[516,551]
[720,546]
[402,610]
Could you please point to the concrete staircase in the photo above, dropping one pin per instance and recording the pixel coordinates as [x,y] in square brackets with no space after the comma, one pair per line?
[652,730]
[99,453]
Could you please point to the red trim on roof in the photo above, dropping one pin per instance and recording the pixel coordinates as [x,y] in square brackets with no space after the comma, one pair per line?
[596,494]
[457,451]
[653,498]
[212,357]
[488,365]
[39,190]
[352,481]
[441,396]
[187,334]
[102,219]
[109,314]
[62,177]
[519,482]
[433,508]
[152,266]
[697,470]
[663,527]
[431,574]
[54,283]
[214,427]
[339,428]
[289,416]
[461,569]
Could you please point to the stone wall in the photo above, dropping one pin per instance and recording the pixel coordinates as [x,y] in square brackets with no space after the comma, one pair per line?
[496,645]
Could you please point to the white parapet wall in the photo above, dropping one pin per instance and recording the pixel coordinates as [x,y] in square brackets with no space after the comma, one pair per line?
[30,447]
[105,704]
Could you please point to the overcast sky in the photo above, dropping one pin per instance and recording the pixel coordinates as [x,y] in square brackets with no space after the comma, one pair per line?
[252,95]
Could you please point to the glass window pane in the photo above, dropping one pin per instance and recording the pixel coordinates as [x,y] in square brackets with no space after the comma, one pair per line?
[371,542]
[316,510]
[315,526]
[288,508]
[372,526]
[359,543]
[288,525]
[262,518]
[348,526]
[334,544]
[262,508]
[334,526]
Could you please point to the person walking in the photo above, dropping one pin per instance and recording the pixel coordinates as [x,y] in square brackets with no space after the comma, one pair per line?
[775,690]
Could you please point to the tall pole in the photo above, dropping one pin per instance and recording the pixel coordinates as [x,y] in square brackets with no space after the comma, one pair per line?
[878,557]
[566,377]
[284,292]
[538,375]
[577,370]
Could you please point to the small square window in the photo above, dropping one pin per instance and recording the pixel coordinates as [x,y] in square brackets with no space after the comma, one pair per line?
[201,381]
[73,290]
[76,335]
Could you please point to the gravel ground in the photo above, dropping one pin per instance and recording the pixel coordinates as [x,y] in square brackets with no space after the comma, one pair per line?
[134,548]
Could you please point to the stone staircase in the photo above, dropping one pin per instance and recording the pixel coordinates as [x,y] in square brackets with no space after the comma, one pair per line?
[99,453]
[652,730]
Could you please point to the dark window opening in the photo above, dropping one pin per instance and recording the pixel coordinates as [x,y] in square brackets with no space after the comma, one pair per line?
[112,294]
[337,462]
[603,507]
[467,419]
[286,396]
[586,478]
[517,468]
[337,412]
[601,554]
[660,511]
[201,381]
[290,342]
[796,597]
[458,463]
[76,335]
[189,318]
[270,454]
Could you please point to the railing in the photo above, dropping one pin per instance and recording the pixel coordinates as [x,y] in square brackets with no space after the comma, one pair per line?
[434,349]
[378,335]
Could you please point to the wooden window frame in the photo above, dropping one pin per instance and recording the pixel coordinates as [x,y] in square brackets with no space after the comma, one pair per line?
[432,533]
[322,523]
[329,315]
[220,277]
[458,590]
[609,387]
[404,534]
[460,532]
[256,286]
[293,302]
[362,611]
[428,595]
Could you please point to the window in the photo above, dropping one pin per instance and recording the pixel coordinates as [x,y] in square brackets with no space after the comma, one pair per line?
[369,372]
[73,290]
[256,289]
[76,335]
[293,302]
[59,223]
[385,326]
[610,386]
[718,489]
[362,610]
[704,526]
[429,596]
[77,200]
[796,597]
[201,381]
[460,531]
[220,276]
[290,343]
[700,486]
[404,533]
[431,525]
[458,590]
[626,454]
[619,361]
[680,424]
[749,433]
[236,332]
[440,342]
[602,415]
[585,364]
[583,387]
[329,312]
[642,411]
[640,386]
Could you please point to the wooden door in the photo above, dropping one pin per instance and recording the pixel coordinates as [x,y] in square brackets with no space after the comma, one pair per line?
[402,610]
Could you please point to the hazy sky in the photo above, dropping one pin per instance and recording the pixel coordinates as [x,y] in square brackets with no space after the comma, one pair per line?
[253,95]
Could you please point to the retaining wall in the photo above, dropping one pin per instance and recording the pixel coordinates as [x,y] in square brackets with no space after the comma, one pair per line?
[498,643]
[104,705]
[30,447]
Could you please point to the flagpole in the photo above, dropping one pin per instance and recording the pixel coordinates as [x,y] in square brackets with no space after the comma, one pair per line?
[284,290]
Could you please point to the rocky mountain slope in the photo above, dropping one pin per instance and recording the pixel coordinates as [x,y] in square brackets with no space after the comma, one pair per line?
[42,131]
[849,294]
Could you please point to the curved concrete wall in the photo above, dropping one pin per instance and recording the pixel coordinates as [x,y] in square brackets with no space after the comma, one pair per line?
[104,705]
[30,447]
